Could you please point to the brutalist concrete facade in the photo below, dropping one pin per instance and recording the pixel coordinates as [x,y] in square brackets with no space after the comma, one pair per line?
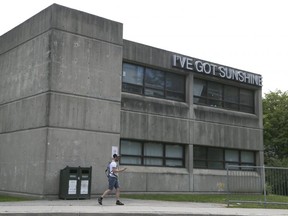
[175,122]
[61,105]
[58,106]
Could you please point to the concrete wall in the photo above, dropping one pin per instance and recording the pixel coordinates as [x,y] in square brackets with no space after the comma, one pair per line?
[57,105]
[84,115]
[23,112]
[153,119]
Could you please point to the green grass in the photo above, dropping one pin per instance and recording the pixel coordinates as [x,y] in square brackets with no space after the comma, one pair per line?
[217,198]
[179,197]
[4,198]
[238,200]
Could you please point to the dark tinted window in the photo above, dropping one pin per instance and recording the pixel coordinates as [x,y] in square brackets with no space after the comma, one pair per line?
[155,83]
[223,96]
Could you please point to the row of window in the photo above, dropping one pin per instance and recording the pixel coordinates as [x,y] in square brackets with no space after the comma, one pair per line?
[219,158]
[155,83]
[223,96]
[144,153]
[150,82]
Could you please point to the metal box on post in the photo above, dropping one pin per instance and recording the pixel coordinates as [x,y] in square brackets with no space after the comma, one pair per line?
[75,183]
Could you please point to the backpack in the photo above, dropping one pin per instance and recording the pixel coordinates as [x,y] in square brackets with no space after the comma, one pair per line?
[107,170]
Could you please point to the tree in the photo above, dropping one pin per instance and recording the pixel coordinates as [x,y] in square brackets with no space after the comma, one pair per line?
[275,122]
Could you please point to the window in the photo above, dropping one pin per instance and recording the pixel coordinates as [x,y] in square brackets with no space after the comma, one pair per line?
[231,97]
[231,157]
[153,83]
[246,100]
[219,158]
[133,150]
[214,94]
[133,78]
[151,153]
[215,158]
[223,96]
[247,158]
[200,91]
[175,87]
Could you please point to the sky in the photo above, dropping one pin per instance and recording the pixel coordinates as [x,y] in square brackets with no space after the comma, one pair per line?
[249,35]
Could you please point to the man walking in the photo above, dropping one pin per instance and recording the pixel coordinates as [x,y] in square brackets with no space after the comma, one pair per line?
[113,180]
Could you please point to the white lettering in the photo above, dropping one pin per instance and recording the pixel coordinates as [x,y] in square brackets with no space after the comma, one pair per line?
[182,61]
[189,64]
[207,68]
[175,57]
[213,69]
[222,71]
[247,77]
[260,81]
[236,75]
[229,73]
[241,76]
[199,66]
[216,70]
[186,63]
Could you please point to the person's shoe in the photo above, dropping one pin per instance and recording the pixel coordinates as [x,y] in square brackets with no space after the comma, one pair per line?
[119,203]
[100,200]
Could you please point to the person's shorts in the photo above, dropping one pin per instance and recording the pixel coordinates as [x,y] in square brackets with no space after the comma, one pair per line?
[113,183]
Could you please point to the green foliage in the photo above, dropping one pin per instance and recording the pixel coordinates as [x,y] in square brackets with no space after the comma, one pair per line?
[275,122]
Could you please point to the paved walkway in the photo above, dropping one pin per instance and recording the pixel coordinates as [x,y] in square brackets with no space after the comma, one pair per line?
[132,207]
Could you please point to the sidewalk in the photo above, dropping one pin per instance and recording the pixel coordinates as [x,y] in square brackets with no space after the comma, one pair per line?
[132,207]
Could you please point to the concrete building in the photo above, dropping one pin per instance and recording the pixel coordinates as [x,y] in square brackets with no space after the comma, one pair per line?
[72,91]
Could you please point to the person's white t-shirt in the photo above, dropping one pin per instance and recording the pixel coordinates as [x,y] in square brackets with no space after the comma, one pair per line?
[113,164]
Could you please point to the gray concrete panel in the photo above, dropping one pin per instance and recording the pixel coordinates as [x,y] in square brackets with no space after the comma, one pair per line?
[24,114]
[24,70]
[205,180]
[133,182]
[209,183]
[168,129]
[22,161]
[168,182]
[134,125]
[78,148]
[31,28]
[66,19]
[137,103]
[85,66]
[138,178]
[205,113]
[153,127]
[81,23]
[68,111]
[148,55]
[219,135]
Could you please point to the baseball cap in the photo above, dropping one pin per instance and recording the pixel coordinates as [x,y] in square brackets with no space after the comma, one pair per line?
[115,155]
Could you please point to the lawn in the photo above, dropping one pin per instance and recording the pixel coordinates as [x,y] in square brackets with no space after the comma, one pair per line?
[4,198]
[239,201]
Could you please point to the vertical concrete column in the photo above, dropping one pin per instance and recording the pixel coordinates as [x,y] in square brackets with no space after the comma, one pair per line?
[85,83]
[190,167]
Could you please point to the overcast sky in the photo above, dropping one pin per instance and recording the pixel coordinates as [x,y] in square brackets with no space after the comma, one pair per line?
[249,35]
